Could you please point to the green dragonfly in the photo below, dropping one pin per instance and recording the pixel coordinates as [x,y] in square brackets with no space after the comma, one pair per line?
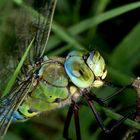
[50,83]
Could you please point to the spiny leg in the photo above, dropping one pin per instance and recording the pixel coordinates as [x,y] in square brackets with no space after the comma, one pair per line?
[119,122]
[67,122]
[103,102]
[76,120]
[95,98]
[73,109]
[110,84]
[121,88]
[98,118]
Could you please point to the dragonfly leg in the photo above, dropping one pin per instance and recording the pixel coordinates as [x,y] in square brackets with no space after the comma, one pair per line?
[67,122]
[76,120]
[74,109]
[110,84]
[119,122]
[122,88]
[98,118]
[103,102]
[95,98]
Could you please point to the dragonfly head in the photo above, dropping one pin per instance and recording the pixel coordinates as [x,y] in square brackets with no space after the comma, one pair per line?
[86,69]
[97,64]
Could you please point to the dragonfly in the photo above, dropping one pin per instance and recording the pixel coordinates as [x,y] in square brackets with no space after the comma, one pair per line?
[51,83]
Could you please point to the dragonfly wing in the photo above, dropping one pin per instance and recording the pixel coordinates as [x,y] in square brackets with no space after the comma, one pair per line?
[43,33]
[36,25]
[10,103]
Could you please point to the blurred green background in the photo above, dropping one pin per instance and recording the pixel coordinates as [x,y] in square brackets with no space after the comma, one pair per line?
[107,25]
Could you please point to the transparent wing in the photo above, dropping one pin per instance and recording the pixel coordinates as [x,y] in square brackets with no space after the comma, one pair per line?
[10,103]
[42,35]
[8,50]
[37,25]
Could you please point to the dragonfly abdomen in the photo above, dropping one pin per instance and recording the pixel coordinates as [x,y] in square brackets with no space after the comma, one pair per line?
[18,116]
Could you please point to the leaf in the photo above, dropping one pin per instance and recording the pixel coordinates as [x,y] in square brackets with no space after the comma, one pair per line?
[126,55]
[16,72]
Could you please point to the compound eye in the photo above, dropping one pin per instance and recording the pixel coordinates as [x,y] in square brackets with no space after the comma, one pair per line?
[78,71]
[97,64]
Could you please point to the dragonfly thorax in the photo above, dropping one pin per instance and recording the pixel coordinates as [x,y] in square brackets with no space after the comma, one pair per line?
[51,89]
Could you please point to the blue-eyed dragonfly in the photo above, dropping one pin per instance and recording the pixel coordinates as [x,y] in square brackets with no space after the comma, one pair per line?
[51,83]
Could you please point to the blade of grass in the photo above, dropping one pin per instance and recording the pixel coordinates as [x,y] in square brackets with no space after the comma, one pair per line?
[66,36]
[128,50]
[88,23]
[16,72]
[117,117]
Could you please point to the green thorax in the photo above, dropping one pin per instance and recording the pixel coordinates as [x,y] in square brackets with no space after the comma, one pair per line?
[49,90]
